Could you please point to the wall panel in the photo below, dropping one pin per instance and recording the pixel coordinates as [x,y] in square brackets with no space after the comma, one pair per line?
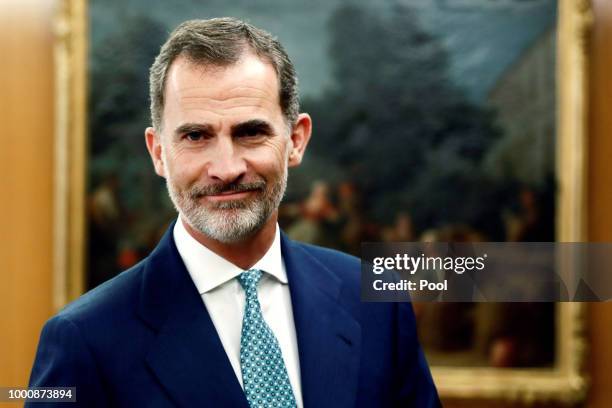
[26,168]
[600,197]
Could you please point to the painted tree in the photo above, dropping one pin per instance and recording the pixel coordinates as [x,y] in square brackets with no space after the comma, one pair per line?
[396,124]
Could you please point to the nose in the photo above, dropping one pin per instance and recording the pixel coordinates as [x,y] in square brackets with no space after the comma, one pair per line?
[226,164]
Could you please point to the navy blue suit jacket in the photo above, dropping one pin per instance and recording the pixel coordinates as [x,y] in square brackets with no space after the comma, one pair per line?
[145,339]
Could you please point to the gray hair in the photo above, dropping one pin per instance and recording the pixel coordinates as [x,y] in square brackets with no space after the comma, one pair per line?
[221,42]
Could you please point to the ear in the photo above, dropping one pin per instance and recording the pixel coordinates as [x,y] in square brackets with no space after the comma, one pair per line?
[300,135]
[153,140]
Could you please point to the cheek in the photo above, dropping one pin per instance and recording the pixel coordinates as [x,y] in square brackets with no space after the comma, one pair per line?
[183,167]
[270,159]
[279,150]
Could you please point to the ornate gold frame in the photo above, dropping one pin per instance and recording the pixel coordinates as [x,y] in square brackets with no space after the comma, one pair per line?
[565,383]
[70,150]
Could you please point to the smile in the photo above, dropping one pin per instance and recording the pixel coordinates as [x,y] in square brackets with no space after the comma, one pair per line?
[230,195]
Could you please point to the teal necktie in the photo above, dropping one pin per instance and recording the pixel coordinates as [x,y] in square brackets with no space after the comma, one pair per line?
[266,383]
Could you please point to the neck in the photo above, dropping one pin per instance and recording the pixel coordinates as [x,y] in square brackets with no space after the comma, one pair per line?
[243,254]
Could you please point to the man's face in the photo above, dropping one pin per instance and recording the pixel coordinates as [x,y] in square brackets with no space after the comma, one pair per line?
[225,146]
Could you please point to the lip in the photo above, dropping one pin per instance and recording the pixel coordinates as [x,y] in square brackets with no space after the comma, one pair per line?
[230,196]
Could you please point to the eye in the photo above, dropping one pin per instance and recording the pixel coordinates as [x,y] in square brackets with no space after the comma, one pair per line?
[250,132]
[194,136]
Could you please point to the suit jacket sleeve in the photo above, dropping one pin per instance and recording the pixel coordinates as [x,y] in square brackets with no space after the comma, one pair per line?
[63,359]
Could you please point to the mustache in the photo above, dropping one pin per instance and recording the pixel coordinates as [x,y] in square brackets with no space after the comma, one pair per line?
[234,187]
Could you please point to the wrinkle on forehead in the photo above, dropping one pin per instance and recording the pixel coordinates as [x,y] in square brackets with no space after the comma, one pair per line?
[230,100]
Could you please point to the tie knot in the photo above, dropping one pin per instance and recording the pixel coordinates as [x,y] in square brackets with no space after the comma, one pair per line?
[249,279]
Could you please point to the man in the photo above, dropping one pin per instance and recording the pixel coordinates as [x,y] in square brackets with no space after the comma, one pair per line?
[226,311]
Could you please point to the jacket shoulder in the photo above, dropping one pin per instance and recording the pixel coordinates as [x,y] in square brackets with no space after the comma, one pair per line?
[346,268]
[111,298]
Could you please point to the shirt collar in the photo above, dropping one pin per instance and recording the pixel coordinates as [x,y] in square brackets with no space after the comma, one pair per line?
[209,270]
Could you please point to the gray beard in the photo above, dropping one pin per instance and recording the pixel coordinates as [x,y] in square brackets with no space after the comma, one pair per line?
[231,221]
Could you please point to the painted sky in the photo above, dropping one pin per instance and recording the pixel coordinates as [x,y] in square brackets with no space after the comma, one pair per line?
[482,37]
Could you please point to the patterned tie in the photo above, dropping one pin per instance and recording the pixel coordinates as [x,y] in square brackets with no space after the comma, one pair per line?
[266,383]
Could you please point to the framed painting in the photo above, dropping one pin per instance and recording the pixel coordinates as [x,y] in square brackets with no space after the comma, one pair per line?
[448,120]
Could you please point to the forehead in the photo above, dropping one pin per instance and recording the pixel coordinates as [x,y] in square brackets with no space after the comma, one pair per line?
[250,83]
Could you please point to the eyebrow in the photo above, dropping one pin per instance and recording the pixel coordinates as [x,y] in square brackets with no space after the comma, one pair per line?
[261,126]
[193,127]
[258,125]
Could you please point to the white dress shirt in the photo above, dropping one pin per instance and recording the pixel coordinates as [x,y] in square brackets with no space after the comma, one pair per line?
[224,298]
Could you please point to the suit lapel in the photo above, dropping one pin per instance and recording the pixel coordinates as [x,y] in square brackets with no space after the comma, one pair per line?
[187,356]
[329,338]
